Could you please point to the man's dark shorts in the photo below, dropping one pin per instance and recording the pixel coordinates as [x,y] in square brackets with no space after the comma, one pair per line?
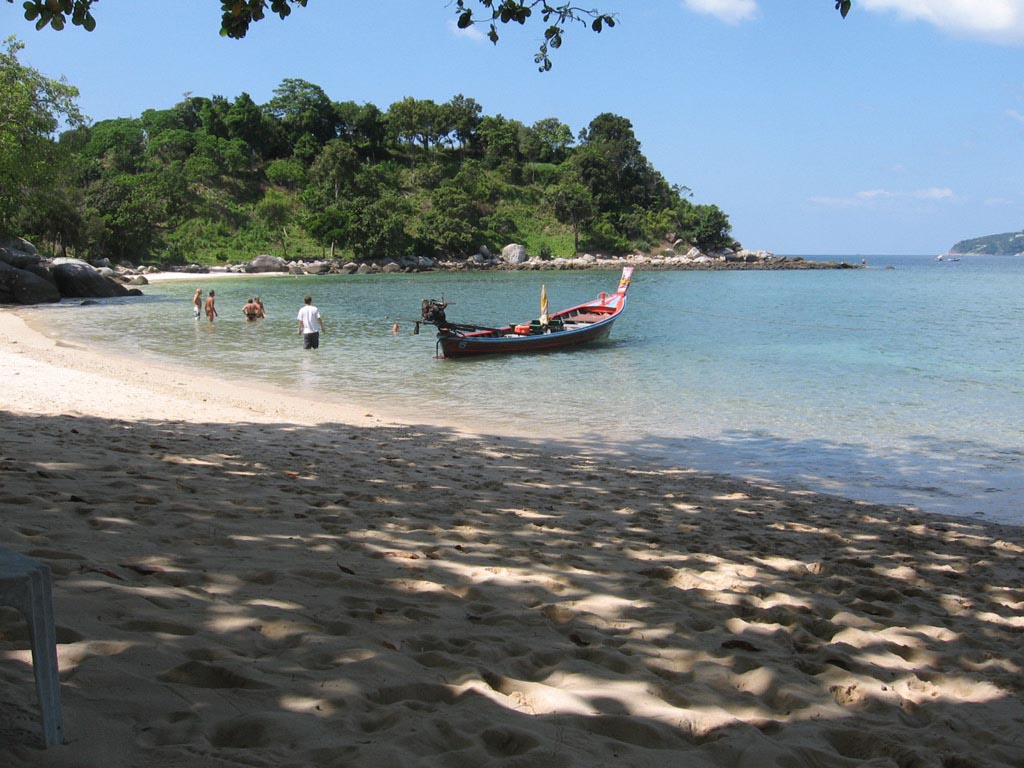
[311,340]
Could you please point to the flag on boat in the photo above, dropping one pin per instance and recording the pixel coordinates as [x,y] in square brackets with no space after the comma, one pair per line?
[543,305]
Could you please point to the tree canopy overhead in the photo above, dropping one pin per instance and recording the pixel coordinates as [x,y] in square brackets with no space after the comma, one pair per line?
[238,15]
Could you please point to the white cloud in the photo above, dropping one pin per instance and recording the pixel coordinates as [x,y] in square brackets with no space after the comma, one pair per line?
[878,197]
[934,193]
[1013,113]
[729,11]
[472,32]
[874,194]
[999,20]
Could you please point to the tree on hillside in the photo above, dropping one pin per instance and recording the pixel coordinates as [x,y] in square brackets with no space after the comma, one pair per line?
[572,204]
[304,110]
[609,162]
[709,227]
[334,171]
[422,121]
[329,227]
[123,210]
[275,211]
[363,126]
[497,141]
[464,117]
[31,108]
[246,121]
[213,116]
[451,225]
[554,138]
[378,227]
[118,145]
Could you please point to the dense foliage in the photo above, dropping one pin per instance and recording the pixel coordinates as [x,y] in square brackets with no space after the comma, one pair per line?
[31,108]
[303,176]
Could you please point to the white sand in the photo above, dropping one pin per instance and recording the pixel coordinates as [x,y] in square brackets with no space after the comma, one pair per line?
[234,587]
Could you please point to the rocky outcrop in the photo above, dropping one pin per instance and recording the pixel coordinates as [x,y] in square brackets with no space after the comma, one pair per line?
[27,278]
[515,257]
[22,286]
[80,280]
[514,253]
[266,263]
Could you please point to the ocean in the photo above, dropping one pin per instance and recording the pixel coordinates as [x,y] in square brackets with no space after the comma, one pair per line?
[901,383]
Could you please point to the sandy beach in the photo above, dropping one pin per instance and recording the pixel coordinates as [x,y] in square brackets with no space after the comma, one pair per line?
[256,579]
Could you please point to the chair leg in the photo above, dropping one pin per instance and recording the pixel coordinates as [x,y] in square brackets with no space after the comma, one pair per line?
[42,631]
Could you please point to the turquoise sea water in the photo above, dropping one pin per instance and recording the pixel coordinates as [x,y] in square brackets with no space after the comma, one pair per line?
[900,385]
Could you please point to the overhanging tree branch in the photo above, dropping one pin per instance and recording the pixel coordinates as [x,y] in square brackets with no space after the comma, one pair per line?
[238,15]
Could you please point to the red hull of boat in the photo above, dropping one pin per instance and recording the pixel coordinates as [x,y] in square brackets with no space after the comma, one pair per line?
[467,346]
[582,324]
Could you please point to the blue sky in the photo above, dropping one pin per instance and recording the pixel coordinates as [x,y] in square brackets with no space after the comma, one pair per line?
[896,131]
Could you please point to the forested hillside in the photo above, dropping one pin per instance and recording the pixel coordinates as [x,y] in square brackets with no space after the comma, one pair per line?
[1008,243]
[302,176]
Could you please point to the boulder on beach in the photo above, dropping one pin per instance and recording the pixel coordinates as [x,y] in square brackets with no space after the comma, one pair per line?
[23,286]
[79,280]
[514,253]
[267,263]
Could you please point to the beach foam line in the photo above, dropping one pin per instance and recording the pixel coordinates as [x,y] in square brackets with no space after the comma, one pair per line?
[167,277]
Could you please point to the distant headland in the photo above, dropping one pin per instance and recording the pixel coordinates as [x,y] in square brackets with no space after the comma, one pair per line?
[1006,244]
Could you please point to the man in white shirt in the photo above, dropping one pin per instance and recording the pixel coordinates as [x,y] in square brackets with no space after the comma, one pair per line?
[310,324]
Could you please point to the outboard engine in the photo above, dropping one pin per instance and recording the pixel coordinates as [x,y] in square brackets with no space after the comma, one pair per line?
[432,311]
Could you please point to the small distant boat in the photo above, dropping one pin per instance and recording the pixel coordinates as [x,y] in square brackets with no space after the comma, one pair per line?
[946,257]
[577,325]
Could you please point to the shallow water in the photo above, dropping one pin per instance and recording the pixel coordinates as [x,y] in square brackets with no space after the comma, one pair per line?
[896,385]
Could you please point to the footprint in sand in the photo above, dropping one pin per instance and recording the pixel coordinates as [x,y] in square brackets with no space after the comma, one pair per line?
[200,675]
[176,728]
[157,626]
[508,742]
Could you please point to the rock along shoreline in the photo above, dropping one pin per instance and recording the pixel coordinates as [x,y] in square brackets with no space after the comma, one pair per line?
[28,278]
[514,258]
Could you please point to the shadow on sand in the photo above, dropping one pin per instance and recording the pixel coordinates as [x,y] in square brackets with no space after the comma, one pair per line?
[261,595]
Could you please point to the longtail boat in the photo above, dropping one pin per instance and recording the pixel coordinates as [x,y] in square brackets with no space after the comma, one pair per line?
[570,327]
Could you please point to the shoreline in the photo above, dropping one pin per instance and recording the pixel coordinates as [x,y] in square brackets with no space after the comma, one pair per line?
[305,582]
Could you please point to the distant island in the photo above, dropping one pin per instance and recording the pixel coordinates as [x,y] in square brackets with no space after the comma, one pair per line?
[1007,244]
